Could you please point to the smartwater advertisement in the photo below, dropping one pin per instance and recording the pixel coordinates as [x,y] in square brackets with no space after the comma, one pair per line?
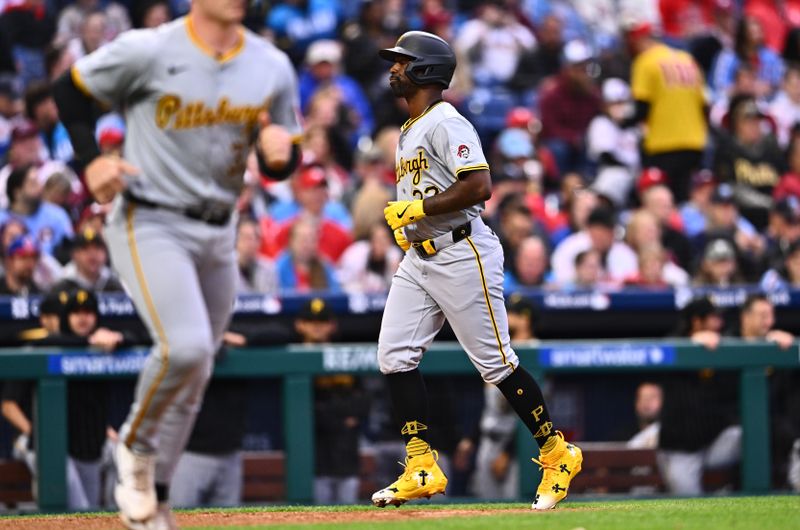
[97,363]
[589,355]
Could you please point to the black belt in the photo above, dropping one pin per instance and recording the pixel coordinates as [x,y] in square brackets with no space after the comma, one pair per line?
[430,247]
[215,215]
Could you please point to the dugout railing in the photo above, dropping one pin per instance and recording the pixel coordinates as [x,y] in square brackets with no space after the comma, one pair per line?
[297,365]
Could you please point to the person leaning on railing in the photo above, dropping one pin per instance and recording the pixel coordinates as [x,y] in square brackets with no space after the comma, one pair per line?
[699,425]
[757,323]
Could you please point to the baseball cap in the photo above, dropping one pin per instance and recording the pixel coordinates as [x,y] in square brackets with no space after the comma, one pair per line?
[703,177]
[110,138]
[81,300]
[517,303]
[22,246]
[324,51]
[576,52]
[316,309]
[110,129]
[637,28]
[651,176]
[515,143]
[615,90]
[53,302]
[789,209]
[723,195]
[23,130]
[520,118]
[719,250]
[311,177]
[88,236]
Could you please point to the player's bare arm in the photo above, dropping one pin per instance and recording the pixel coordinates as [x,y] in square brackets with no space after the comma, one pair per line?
[472,188]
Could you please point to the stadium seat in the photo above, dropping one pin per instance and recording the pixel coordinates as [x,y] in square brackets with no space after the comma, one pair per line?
[265,474]
[15,483]
[614,468]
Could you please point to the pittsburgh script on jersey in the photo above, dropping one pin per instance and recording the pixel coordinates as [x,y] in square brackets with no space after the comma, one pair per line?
[171,112]
[414,166]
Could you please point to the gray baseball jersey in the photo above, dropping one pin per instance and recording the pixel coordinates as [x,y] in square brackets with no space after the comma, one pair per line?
[462,283]
[434,149]
[190,115]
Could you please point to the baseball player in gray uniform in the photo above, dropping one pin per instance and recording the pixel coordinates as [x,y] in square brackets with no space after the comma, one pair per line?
[453,269]
[197,93]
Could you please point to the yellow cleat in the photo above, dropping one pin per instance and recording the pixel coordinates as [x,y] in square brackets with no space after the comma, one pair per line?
[421,478]
[559,467]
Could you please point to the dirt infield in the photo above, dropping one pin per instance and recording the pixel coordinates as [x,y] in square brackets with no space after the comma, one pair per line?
[222,519]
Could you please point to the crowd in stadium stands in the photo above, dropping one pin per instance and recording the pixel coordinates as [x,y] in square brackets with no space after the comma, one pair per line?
[653,145]
[649,144]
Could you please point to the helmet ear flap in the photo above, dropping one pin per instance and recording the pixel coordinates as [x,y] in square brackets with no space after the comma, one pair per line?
[431,74]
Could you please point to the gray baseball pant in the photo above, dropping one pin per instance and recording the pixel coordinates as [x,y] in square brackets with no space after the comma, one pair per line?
[207,480]
[683,471]
[462,283]
[83,483]
[181,275]
[336,490]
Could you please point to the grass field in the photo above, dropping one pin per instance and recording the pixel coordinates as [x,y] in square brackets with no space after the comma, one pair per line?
[728,513]
[707,514]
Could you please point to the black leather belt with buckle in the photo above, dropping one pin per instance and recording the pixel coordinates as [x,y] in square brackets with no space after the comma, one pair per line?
[215,215]
[430,247]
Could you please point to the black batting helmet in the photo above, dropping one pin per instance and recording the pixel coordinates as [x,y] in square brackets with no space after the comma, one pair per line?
[432,59]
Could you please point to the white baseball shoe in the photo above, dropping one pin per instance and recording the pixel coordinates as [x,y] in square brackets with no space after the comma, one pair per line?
[135,491]
[163,520]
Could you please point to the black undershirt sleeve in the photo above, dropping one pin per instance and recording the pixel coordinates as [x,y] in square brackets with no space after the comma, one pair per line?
[76,111]
[281,174]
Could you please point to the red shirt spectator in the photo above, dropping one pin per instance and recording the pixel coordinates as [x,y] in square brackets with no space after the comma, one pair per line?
[312,194]
[567,109]
[568,102]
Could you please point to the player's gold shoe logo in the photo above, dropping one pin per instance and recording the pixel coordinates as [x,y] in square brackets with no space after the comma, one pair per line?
[413,427]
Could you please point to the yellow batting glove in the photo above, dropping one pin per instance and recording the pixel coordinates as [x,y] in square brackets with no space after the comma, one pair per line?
[401,213]
[402,242]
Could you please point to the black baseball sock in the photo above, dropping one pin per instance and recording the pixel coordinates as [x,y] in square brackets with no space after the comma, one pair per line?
[525,397]
[410,403]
